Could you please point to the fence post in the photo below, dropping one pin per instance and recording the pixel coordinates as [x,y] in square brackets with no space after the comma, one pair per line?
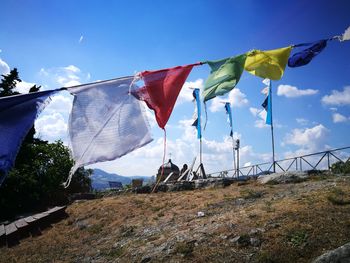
[329,164]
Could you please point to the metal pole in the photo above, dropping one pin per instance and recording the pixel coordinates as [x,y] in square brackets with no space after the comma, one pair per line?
[329,164]
[234,156]
[200,153]
[237,162]
[272,135]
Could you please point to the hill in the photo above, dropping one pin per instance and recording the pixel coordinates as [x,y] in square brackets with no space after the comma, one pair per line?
[100,179]
[244,222]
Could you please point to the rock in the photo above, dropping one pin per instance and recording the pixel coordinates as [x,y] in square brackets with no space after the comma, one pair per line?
[200,214]
[82,224]
[338,255]
[283,178]
[255,242]
[242,241]
[146,259]
[255,231]
[213,182]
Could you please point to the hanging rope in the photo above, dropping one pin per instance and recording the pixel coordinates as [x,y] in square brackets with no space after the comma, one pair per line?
[162,171]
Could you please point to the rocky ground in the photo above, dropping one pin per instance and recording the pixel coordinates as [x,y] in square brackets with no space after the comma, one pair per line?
[244,222]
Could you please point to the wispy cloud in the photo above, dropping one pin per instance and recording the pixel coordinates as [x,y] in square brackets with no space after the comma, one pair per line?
[293,92]
[337,118]
[302,121]
[309,139]
[338,97]
[4,67]
[237,99]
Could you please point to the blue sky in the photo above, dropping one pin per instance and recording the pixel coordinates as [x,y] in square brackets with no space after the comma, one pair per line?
[62,43]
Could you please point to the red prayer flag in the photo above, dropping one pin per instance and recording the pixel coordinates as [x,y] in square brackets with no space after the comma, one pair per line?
[161,90]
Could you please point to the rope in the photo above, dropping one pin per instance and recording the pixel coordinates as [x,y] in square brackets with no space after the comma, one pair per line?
[162,172]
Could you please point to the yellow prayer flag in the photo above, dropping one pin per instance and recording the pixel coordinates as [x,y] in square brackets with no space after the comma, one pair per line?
[267,64]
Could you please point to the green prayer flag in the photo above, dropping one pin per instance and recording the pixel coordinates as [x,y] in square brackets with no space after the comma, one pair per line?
[225,74]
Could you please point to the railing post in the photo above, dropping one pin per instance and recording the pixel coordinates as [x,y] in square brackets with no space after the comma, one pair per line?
[329,164]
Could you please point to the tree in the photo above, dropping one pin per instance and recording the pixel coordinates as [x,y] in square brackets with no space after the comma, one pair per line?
[8,83]
[35,181]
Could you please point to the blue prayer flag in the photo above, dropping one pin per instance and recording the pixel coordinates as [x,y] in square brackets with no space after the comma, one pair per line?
[17,116]
[229,113]
[197,122]
[305,56]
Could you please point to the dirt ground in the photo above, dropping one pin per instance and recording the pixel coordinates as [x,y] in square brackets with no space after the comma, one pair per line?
[245,222]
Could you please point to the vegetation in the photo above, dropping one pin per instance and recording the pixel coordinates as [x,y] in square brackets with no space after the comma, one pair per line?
[341,167]
[35,181]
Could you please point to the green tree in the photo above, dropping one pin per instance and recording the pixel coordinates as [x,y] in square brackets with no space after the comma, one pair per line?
[8,83]
[341,168]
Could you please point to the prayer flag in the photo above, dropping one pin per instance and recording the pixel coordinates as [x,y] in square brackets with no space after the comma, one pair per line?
[224,76]
[305,56]
[197,122]
[17,116]
[346,35]
[267,105]
[161,90]
[229,113]
[106,122]
[267,64]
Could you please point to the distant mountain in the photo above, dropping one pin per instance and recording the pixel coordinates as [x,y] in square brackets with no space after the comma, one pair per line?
[100,178]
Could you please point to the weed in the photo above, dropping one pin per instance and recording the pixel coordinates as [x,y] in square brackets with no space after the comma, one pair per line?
[95,229]
[127,231]
[265,257]
[268,207]
[160,214]
[114,252]
[251,194]
[184,248]
[297,238]
[338,197]
[138,202]
[156,208]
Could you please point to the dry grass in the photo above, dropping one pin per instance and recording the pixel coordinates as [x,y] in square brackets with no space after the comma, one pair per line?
[300,221]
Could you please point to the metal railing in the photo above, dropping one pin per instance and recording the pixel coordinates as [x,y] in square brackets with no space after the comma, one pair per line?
[314,161]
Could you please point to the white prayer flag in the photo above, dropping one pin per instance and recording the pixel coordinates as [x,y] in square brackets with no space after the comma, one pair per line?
[346,35]
[106,122]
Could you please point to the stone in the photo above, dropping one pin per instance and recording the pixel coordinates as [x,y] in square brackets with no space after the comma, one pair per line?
[255,242]
[200,214]
[146,259]
[256,231]
[338,255]
[283,178]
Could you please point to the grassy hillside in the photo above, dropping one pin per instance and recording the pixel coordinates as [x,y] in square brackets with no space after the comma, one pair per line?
[241,223]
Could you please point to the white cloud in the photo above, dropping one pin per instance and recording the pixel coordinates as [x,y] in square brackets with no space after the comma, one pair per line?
[302,121]
[60,103]
[187,90]
[337,117]
[51,127]
[293,92]
[235,97]
[309,139]
[63,76]
[23,86]
[338,97]
[72,68]
[333,109]
[4,67]
[261,115]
